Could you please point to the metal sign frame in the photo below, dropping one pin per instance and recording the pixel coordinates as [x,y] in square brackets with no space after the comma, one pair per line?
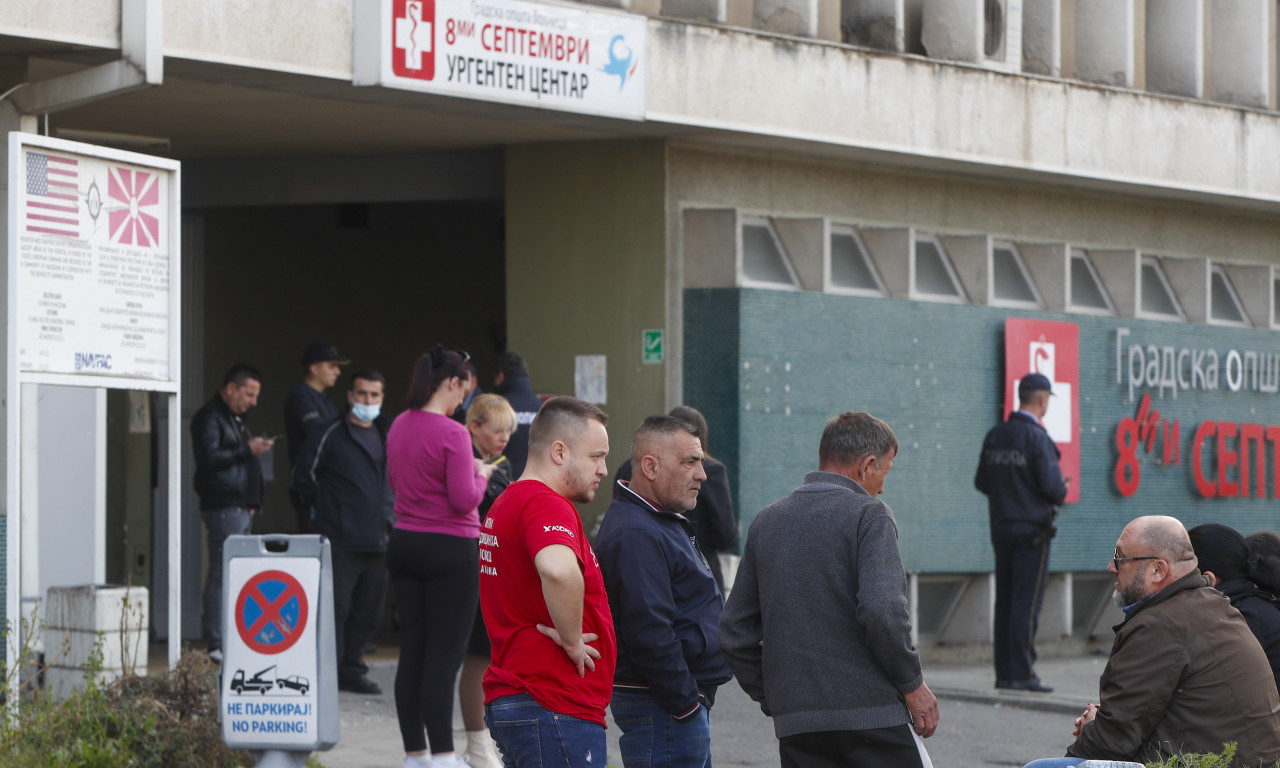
[14,378]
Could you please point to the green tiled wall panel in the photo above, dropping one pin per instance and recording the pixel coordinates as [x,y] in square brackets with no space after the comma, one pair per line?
[769,367]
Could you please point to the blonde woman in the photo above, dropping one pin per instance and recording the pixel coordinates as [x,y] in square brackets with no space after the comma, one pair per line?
[490,420]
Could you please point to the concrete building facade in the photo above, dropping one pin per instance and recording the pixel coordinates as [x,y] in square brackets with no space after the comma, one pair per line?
[823,205]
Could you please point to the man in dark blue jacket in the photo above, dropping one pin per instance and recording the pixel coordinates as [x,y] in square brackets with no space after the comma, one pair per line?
[341,473]
[511,380]
[1020,475]
[665,603]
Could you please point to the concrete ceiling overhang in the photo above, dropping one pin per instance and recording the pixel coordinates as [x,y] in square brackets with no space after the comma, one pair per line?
[208,110]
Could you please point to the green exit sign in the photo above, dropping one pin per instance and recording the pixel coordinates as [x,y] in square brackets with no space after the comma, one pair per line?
[652,346]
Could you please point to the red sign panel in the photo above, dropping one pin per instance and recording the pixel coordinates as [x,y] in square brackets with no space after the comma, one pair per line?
[413,38]
[271,612]
[1052,349]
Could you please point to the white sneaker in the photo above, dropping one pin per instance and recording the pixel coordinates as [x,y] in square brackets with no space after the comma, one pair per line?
[417,761]
[482,751]
[216,655]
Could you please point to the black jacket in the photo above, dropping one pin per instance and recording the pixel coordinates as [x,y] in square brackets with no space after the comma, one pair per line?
[1019,473]
[227,472]
[518,391]
[714,524]
[666,606]
[305,411]
[1261,611]
[348,488]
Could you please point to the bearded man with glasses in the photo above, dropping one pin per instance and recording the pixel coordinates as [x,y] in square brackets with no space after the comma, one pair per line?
[1185,673]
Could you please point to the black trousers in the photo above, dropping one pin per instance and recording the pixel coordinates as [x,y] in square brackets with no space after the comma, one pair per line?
[359,590]
[1021,570]
[436,578]
[876,748]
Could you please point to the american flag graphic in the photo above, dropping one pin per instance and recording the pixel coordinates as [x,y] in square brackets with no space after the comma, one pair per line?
[52,192]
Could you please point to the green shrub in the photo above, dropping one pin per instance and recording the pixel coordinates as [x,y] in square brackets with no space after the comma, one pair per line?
[1224,759]
[167,721]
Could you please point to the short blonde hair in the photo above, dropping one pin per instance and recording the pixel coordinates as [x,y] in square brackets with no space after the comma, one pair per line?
[491,408]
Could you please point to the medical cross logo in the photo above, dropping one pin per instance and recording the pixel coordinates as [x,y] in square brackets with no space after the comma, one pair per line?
[271,612]
[413,31]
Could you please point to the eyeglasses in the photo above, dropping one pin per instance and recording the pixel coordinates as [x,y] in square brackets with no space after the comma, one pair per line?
[1116,559]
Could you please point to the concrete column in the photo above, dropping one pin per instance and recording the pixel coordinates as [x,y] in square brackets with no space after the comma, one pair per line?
[891,250]
[953,29]
[1055,612]
[806,243]
[1189,279]
[699,10]
[1254,284]
[1175,36]
[1107,42]
[960,30]
[829,21]
[875,24]
[971,258]
[709,247]
[787,17]
[1242,52]
[1050,268]
[1042,37]
[1119,272]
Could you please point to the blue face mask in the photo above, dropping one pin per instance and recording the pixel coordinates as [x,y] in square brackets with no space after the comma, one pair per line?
[364,412]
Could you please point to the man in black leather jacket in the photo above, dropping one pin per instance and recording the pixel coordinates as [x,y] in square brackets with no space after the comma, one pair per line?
[1020,475]
[341,473]
[228,480]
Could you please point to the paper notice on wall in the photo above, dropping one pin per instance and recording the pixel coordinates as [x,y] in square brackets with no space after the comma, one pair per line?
[590,381]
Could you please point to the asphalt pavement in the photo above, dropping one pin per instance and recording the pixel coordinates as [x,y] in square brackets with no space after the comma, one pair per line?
[980,726]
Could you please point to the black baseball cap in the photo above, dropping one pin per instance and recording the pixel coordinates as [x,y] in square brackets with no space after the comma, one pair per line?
[1034,382]
[323,351]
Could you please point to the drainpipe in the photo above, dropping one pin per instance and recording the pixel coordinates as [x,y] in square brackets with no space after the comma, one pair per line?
[141,65]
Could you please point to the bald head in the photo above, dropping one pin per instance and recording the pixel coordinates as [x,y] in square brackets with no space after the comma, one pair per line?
[1167,538]
[1152,553]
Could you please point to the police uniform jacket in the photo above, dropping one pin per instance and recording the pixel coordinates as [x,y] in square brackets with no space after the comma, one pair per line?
[1019,472]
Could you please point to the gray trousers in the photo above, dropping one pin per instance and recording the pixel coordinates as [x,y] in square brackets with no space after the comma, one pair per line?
[219,524]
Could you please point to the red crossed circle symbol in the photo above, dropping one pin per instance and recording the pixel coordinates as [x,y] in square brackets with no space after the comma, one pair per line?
[277,623]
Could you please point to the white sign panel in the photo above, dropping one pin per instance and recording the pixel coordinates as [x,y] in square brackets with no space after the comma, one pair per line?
[533,54]
[93,260]
[591,378]
[269,645]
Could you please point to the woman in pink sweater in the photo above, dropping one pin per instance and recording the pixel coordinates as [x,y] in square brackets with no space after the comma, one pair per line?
[433,556]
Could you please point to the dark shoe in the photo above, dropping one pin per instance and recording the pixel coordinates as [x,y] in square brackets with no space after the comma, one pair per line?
[369,649]
[360,685]
[1033,685]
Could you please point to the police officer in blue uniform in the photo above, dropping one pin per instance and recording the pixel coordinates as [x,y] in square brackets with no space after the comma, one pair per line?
[1020,476]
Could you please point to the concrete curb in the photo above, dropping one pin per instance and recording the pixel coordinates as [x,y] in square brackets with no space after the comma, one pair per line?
[1036,701]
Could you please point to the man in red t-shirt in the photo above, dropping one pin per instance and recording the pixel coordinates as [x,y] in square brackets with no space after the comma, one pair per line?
[543,598]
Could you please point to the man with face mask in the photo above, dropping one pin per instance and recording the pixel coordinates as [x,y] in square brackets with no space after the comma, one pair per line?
[665,602]
[342,473]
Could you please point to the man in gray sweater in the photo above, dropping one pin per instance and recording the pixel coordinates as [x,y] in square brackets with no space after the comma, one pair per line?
[816,627]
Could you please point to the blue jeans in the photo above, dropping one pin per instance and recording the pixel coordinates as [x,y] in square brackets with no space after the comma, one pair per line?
[219,524]
[651,738]
[532,737]
[1055,762]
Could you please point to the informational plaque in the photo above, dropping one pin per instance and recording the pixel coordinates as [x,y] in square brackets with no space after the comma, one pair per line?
[93,260]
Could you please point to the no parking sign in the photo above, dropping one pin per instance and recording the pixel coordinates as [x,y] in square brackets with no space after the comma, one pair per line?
[278,689]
